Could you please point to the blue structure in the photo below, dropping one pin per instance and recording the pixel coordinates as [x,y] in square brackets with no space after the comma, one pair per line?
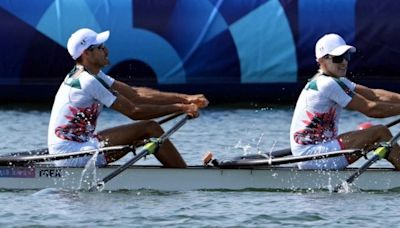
[236,50]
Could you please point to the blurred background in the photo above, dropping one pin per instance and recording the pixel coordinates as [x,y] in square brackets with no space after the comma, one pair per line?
[236,50]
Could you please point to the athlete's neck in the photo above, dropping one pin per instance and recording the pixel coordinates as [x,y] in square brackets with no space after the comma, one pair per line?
[329,74]
[92,70]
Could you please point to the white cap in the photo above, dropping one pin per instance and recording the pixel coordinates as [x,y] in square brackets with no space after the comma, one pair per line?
[332,44]
[82,39]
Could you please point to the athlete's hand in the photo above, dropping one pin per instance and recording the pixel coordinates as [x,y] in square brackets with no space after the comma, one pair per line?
[198,99]
[191,109]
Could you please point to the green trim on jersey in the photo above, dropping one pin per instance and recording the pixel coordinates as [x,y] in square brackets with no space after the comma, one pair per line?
[312,85]
[346,89]
[75,83]
[101,81]
[72,82]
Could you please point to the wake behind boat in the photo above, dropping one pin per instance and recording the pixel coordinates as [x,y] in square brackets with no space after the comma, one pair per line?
[136,177]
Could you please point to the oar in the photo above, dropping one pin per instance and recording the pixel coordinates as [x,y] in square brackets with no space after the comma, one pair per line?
[379,153]
[249,163]
[25,160]
[173,116]
[272,154]
[28,155]
[391,124]
[149,148]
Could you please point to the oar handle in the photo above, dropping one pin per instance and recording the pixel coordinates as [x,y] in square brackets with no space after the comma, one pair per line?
[170,117]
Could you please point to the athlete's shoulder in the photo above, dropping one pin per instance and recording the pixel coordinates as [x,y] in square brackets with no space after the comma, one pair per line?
[75,76]
[336,85]
[318,82]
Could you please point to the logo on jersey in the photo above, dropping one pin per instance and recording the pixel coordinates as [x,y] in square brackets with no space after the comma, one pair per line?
[81,124]
[319,127]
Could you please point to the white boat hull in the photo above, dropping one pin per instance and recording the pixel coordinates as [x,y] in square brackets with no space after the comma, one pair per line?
[194,178]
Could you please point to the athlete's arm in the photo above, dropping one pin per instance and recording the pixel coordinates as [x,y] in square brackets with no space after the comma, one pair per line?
[371,108]
[139,111]
[377,94]
[150,96]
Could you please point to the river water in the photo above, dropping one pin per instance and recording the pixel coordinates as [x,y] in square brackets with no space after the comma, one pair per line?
[227,131]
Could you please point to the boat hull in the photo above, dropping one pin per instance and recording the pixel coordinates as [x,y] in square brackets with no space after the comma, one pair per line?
[194,178]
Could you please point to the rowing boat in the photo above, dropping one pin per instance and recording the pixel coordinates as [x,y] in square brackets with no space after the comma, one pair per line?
[32,170]
[41,176]
[27,170]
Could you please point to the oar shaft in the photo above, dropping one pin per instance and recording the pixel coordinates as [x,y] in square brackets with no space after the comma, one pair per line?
[125,166]
[284,160]
[272,154]
[148,148]
[296,159]
[364,167]
[380,152]
[174,129]
[391,124]
[168,118]
[22,160]
[394,139]
[144,152]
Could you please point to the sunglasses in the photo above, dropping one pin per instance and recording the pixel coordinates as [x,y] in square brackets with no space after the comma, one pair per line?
[97,46]
[340,58]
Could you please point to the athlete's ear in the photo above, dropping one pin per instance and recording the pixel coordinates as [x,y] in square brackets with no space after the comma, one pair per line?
[84,56]
[85,52]
[321,61]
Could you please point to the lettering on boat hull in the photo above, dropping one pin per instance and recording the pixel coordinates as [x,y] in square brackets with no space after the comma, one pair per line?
[51,173]
[17,172]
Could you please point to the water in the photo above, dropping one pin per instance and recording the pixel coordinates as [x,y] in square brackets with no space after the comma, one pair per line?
[227,131]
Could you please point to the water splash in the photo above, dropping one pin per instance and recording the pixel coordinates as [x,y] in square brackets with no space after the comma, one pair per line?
[272,148]
[245,148]
[100,186]
[270,152]
[344,187]
[89,174]
[248,149]
[258,143]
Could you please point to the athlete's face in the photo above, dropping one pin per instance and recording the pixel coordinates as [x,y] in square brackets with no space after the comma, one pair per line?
[335,65]
[98,55]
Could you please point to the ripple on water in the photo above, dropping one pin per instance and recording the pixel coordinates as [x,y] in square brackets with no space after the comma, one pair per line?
[219,130]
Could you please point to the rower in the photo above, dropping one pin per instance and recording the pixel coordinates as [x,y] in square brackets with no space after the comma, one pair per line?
[84,92]
[315,124]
